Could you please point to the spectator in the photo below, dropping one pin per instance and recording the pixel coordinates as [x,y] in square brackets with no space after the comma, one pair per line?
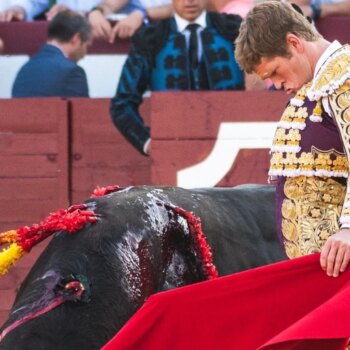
[135,11]
[63,5]
[53,70]
[239,7]
[4,5]
[21,10]
[157,9]
[138,11]
[191,51]
[316,9]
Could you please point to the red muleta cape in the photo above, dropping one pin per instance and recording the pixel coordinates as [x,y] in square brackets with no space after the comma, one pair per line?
[283,306]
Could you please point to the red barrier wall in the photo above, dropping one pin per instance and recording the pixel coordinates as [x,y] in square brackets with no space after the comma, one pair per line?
[100,155]
[185,127]
[54,152]
[33,160]
[33,174]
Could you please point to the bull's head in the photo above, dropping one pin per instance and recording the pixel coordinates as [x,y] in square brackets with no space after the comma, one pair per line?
[85,286]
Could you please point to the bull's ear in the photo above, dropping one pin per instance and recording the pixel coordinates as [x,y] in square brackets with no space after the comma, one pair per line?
[74,287]
[191,258]
[199,246]
[183,267]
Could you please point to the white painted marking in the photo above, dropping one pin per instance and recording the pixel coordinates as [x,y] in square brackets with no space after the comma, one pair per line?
[231,138]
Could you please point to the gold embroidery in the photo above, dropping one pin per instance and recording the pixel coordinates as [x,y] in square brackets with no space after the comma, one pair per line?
[301,114]
[316,115]
[340,164]
[311,161]
[318,109]
[340,104]
[323,161]
[306,161]
[343,101]
[332,73]
[288,113]
[286,144]
[314,204]
[310,213]
[283,138]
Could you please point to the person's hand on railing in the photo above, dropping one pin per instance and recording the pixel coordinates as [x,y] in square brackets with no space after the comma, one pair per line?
[101,27]
[126,27]
[13,14]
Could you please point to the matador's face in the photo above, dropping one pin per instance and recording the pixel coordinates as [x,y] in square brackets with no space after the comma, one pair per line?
[189,9]
[290,72]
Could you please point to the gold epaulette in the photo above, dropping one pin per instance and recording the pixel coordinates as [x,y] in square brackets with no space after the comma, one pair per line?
[333,74]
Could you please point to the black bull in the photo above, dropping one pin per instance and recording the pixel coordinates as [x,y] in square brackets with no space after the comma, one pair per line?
[138,247]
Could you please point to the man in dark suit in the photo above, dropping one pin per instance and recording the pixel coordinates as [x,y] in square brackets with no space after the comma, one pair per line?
[193,50]
[53,71]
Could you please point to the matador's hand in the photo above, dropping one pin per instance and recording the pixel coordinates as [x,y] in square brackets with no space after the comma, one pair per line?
[335,254]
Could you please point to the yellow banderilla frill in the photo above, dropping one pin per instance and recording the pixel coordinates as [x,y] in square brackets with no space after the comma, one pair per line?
[9,256]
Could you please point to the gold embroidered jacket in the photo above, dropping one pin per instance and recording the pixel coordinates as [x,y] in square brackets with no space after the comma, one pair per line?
[331,85]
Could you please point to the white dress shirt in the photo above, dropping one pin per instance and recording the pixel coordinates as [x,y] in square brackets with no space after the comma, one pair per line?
[183,23]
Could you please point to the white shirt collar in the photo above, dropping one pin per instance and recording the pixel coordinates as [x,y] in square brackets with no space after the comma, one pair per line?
[334,46]
[183,23]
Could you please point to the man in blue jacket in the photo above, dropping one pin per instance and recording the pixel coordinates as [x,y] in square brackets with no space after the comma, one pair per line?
[53,71]
[193,50]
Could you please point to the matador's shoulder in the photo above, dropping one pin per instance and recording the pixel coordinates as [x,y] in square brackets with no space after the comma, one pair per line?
[332,75]
[151,38]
